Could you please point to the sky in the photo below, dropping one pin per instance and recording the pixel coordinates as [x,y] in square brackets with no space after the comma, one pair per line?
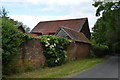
[31,12]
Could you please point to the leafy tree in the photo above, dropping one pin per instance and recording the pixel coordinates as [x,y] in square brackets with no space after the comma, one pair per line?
[107,28]
[27,29]
[105,7]
[3,12]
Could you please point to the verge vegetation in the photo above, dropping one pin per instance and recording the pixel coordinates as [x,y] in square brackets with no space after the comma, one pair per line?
[65,70]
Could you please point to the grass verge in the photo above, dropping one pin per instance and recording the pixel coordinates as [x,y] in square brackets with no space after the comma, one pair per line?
[65,70]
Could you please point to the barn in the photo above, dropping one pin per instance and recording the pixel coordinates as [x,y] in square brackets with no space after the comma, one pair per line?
[76,30]
[80,47]
[20,27]
[51,27]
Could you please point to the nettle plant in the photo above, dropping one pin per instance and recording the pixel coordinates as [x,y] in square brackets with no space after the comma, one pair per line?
[54,49]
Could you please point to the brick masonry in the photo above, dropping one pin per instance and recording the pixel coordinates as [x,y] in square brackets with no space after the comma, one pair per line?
[78,50]
[31,53]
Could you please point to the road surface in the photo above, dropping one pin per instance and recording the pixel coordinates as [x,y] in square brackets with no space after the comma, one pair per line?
[106,69]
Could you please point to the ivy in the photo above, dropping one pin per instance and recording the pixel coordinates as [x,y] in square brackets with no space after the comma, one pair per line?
[12,38]
[54,49]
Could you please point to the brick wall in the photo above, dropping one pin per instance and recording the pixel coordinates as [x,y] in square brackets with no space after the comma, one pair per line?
[30,54]
[78,50]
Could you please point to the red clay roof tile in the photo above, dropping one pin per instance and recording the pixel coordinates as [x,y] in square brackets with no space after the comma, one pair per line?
[20,27]
[53,26]
[76,36]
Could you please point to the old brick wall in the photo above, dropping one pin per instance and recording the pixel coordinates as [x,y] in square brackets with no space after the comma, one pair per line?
[83,50]
[78,50]
[30,54]
[71,50]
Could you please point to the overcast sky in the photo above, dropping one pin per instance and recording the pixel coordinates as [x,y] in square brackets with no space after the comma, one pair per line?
[31,12]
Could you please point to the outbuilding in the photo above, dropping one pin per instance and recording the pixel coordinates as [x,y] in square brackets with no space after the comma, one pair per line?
[80,46]
[51,27]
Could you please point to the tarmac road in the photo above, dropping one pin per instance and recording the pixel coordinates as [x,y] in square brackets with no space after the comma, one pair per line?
[106,69]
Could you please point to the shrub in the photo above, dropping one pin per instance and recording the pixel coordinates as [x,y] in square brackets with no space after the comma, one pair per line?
[54,49]
[116,47]
[12,38]
[92,54]
[99,50]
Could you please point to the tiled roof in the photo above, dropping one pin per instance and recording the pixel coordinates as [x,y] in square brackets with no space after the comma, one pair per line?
[20,27]
[30,34]
[76,36]
[53,26]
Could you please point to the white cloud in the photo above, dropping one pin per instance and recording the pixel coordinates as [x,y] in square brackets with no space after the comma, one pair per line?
[57,2]
[74,9]
[12,1]
[49,2]
[31,21]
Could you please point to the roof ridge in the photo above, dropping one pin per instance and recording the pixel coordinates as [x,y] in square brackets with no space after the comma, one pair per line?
[63,20]
[52,26]
[18,25]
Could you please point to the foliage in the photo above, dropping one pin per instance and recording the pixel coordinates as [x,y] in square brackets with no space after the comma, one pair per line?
[106,30]
[98,50]
[12,38]
[105,7]
[3,12]
[54,49]
[116,47]
[92,54]
[0,37]
[69,68]
[27,29]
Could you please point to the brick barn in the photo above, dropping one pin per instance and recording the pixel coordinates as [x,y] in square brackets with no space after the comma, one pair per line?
[76,30]
[80,47]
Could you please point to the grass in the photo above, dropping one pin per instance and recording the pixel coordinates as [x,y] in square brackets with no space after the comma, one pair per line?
[65,70]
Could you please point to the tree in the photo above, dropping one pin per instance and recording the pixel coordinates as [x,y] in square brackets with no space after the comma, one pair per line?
[107,28]
[3,12]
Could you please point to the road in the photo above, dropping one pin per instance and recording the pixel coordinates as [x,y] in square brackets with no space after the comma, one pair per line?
[106,69]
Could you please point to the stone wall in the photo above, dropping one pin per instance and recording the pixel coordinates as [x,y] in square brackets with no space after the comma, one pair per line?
[30,54]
